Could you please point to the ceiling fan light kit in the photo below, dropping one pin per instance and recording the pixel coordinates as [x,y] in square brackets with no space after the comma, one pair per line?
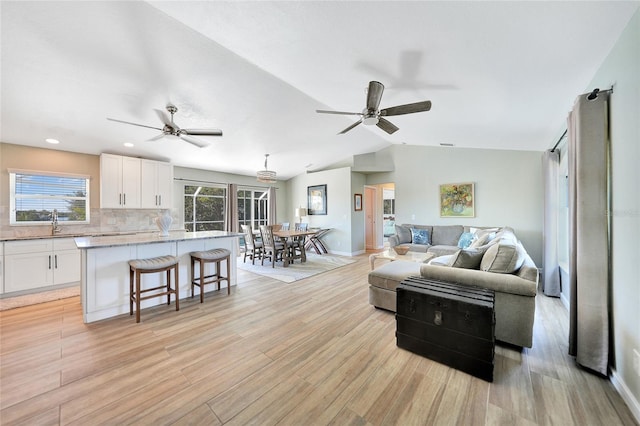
[266,175]
[371,115]
[172,129]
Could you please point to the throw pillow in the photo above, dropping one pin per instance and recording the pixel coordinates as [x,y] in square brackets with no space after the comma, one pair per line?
[503,258]
[440,260]
[467,259]
[479,240]
[404,234]
[465,240]
[420,236]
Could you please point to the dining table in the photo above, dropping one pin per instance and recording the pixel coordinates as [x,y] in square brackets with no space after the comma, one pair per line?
[288,236]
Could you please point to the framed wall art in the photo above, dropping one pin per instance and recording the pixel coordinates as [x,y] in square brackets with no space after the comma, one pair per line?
[317,199]
[357,202]
[457,200]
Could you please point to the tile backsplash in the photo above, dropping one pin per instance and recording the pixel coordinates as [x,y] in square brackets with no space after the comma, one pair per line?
[103,221]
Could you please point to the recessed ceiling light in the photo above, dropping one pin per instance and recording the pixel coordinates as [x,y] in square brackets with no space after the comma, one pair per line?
[128,144]
[53,141]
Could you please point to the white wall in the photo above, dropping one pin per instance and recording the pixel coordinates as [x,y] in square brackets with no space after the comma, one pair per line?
[339,206]
[622,70]
[508,188]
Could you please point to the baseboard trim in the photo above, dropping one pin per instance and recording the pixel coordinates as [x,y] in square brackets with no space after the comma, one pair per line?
[625,393]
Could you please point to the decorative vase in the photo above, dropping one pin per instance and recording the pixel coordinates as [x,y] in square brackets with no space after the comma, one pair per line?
[164,221]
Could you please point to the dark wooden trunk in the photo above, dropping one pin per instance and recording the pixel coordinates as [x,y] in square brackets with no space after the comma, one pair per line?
[448,323]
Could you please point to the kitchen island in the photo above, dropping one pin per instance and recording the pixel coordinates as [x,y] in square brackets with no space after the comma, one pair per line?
[104,285]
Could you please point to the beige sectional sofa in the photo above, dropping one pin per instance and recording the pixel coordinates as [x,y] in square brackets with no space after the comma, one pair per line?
[495,260]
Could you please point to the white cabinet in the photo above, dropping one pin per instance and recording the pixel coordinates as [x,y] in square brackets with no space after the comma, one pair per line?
[156,184]
[32,264]
[119,182]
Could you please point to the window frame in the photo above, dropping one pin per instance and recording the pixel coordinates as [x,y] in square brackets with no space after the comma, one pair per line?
[13,197]
[189,221]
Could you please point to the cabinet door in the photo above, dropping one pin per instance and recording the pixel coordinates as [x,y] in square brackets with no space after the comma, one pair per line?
[27,271]
[156,184]
[110,181]
[131,182]
[66,265]
[148,186]
[165,185]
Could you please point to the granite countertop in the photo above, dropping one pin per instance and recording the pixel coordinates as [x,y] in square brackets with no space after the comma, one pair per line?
[147,238]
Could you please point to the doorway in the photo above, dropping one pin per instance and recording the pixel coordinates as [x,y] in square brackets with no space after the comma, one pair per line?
[370,213]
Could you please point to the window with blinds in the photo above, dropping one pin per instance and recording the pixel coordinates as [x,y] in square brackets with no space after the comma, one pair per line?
[35,195]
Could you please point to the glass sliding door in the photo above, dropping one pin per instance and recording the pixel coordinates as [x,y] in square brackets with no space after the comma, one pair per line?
[252,207]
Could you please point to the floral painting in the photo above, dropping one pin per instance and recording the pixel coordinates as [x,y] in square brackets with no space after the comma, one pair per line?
[457,200]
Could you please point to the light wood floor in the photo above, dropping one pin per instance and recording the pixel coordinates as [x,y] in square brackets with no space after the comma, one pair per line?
[309,352]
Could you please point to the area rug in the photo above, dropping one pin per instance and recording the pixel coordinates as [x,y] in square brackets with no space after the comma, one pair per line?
[35,298]
[315,264]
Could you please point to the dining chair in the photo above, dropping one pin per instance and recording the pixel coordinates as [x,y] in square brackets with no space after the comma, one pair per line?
[271,249]
[298,243]
[253,248]
[284,226]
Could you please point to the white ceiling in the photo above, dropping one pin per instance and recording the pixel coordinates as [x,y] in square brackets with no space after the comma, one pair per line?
[500,75]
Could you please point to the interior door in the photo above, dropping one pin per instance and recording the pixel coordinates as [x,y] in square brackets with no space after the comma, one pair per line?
[370,194]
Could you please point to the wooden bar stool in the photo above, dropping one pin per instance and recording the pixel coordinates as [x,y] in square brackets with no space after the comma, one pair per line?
[138,267]
[210,256]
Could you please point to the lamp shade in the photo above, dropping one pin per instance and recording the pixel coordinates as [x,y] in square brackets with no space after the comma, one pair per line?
[266,176]
[301,211]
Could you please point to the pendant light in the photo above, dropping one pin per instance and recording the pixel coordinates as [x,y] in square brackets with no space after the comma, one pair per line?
[266,176]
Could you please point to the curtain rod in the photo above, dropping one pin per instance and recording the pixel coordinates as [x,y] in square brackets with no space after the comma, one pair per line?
[222,183]
[592,95]
[559,140]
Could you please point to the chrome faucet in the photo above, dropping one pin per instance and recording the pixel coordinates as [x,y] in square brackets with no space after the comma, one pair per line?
[55,228]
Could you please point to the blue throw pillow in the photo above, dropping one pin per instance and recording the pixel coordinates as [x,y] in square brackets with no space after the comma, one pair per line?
[420,236]
[465,240]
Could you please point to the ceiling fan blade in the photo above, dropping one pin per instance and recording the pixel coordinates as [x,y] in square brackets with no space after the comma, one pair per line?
[406,109]
[387,126]
[133,124]
[323,111]
[374,95]
[164,117]
[193,141]
[350,127]
[202,132]
[155,138]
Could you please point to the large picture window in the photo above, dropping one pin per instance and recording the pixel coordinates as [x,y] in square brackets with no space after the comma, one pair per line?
[204,208]
[36,195]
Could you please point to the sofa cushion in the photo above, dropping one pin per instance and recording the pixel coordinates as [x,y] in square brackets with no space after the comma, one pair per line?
[390,274]
[404,234]
[503,258]
[420,236]
[467,259]
[440,260]
[446,235]
[440,250]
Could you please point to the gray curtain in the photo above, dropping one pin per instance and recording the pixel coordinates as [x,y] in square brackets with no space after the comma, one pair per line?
[231,215]
[271,214]
[550,267]
[589,232]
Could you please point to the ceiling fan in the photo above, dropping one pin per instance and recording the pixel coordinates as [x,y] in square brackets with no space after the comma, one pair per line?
[172,129]
[372,115]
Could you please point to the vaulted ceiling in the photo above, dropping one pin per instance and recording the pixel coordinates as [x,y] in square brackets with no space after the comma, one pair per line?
[500,75]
